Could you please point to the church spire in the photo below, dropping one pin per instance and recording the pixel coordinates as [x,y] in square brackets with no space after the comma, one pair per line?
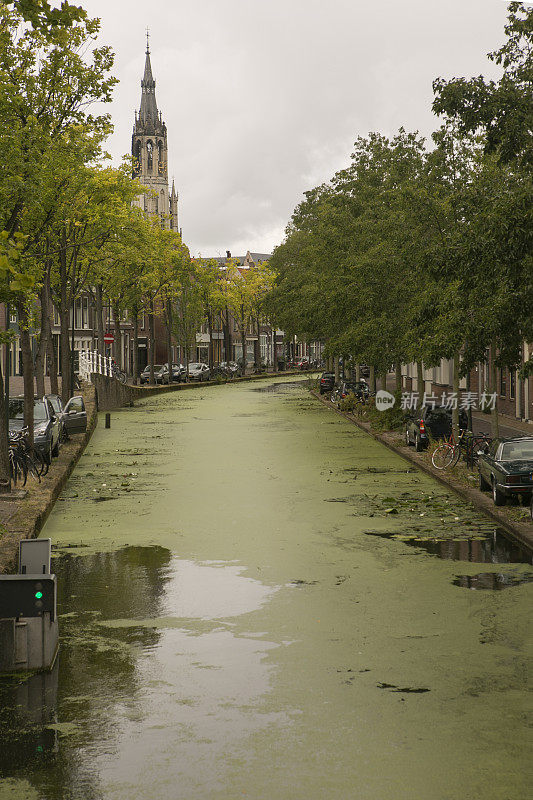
[148,101]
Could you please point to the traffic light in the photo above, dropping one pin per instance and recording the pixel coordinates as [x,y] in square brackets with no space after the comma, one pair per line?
[27,595]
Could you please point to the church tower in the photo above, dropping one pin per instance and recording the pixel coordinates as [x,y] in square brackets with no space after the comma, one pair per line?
[150,154]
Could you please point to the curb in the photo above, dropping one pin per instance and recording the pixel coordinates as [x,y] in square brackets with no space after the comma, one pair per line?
[31,513]
[520,531]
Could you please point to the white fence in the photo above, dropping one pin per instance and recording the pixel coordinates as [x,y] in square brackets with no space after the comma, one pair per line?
[92,362]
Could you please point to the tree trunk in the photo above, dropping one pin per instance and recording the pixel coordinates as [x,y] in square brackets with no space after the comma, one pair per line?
[64,314]
[274,354]
[5,471]
[384,375]
[455,389]
[135,314]
[117,346]
[494,422]
[257,347]
[372,379]
[243,345]
[99,319]
[398,375]
[52,364]
[337,369]
[209,316]
[469,409]
[358,372]
[169,339]
[420,383]
[27,369]
[42,347]
[151,340]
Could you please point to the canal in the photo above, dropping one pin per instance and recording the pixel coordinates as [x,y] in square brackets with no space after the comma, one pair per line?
[258,600]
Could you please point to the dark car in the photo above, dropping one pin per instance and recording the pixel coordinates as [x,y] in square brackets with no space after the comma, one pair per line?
[46,425]
[327,382]
[72,416]
[179,373]
[507,468]
[360,389]
[431,422]
[158,370]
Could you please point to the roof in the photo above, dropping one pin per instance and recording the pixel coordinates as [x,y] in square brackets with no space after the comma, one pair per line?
[148,101]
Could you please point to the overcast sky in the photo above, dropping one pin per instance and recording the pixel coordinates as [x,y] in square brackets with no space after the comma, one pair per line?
[263,99]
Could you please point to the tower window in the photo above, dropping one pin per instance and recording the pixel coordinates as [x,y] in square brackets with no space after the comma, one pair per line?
[150,151]
[137,158]
[161,163]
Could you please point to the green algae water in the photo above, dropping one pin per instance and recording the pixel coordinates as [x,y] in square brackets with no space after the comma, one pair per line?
[258,600]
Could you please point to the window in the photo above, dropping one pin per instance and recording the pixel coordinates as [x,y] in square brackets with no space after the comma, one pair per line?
[85,312]
[138,158]
[150,151]
[161,164]
[57,321]
[264,346]
[512,384]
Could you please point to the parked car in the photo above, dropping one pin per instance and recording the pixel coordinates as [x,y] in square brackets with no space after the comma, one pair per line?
[199,372]
[158,370]
[507,469]
[360,389]
[46,424]
[327,382]
[72,416]
[303,363]
[179,373]
[428,421]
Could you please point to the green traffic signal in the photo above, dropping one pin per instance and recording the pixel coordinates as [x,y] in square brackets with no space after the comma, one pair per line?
[38,595]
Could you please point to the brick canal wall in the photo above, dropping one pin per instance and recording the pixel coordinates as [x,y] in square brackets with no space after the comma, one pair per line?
[111,394]
[23,518]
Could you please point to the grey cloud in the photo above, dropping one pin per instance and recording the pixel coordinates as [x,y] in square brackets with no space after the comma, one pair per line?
[264,100]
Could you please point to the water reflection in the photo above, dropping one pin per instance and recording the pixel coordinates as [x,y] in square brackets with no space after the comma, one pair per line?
[43,726]
[495,549]
[491,580]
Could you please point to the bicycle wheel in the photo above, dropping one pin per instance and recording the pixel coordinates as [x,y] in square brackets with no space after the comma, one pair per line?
[443,456]
[33,468]
[20,468]
[456,455]
[41,462]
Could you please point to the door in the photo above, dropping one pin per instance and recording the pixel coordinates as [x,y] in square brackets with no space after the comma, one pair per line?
[75,415]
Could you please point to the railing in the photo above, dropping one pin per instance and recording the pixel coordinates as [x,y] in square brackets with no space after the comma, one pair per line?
[92,362]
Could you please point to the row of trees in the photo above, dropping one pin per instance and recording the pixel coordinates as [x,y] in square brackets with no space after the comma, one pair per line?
[68,225]
[415,253]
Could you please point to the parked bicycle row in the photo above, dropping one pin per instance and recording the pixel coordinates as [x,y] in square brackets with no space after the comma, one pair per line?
[504,465]
[53,424]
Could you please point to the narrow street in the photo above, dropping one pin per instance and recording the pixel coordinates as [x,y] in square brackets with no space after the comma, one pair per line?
[258,600]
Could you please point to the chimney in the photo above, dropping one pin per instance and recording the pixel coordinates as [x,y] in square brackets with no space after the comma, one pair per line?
[228,254]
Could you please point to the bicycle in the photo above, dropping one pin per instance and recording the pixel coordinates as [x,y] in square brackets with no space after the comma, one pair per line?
[119,374]
[24,459]
[448,453]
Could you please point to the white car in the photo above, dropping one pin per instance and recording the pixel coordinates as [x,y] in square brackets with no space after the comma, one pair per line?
[199,372]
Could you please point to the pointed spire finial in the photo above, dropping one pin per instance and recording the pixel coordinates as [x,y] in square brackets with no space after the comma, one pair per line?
[147,41]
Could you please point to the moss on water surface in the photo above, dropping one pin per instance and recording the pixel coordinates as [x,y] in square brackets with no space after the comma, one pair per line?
[244,614]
